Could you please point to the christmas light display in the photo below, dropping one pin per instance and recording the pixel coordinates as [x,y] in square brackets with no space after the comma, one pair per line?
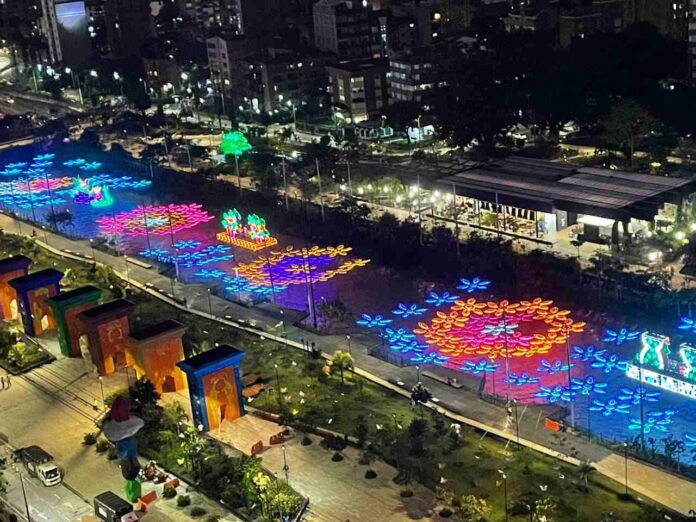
[502,329]
[620,336]
[609,407]
[406,311]
[197,258]
[369,321]
[636,395]
[16,165]
[44,157]
[430,358]
[690,441]
[473,285]
[398,335]
[687,324]
[610,363]
[187,244]
[253,236]
[522,379]
[482,366]
[74,162]
[438,300]
[299,266]
[11,171]
[654,420]
[156,220]
[588,386]
[555,394]
[654,350]
[41,164]
[406,346]
[86,193]
[94,165]
[234,143]
[553,368]
[586,353]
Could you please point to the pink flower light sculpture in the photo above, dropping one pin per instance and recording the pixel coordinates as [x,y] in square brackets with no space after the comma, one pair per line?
[154,219]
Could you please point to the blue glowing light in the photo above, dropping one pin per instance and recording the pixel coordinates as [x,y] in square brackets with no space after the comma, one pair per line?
[11,172]
[482,366]
[588,386]
[440,299]
[211,274]
[368,321]
[41,164]
[184,244]
[398,335]
[687,324]
[610,363]
[690,441]
[205,256]
[634,396]
[431,358]
[16,165]
[618,337]
[74,162]
[553,368]
[655,420]
[555,394]
[473,285]
[408,346]
[94,165]
[586,353]
[609,407]
[406,311]
[45,157]
[522,379]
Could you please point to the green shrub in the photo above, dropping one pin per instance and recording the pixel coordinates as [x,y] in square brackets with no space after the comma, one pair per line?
[370,474]
[169,492]
[122,392]
[183,500]
[111,452]
[89,439]
[197,511]
[337,457]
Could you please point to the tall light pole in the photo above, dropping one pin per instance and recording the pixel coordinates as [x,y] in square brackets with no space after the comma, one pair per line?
[24,494]
[321,193]
[101,387]
[349,349]
[285,184]
[286,468]
[625,445]
[504,477]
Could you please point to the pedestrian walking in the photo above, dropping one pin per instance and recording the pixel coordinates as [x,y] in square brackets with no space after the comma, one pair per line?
[2,381]
[7,379]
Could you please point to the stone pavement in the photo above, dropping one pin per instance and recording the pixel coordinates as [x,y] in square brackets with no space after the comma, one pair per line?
[674,492]
[338,491]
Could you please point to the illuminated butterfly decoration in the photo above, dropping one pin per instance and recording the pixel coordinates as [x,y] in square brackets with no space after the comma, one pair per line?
[553,368]
[609,407]
[16,165]
[184,244]
[154,252]
[41,164]
[482,366]
[94,165]
[11,172]
[555,394]
[687,324]
[440,299]
[369,321]
[635,395]
[431,358]
[608,364]
[588,386]
[397,335]
[74,162]
[473,285]
[522,379]
[44,157]
[618,337]
[406,311]
[586,353]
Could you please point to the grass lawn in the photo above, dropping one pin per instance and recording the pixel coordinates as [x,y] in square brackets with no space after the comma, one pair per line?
[469,467]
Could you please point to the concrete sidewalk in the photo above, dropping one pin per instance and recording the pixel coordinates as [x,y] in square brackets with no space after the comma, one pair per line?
[674,492]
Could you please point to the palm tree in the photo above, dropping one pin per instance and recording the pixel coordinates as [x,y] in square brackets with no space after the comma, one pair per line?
[584,472]
[341,361]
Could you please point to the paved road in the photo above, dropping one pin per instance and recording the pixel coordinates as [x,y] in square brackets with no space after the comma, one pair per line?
[674,492]
[54,504]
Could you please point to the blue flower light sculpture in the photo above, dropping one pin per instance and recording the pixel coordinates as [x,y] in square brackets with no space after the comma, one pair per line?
[687,324]
[369,321]
[431,358]
[620,336]
[656,420]
[406,311]
[555,394]
[438,300]
[609,407]
[482,366]
[553,368]
[610,363]
[473,285]
[588,386]
[634,395]
[586,353]
[522,379]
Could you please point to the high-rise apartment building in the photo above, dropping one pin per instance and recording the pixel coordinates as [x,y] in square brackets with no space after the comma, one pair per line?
[347,28]
[128,24]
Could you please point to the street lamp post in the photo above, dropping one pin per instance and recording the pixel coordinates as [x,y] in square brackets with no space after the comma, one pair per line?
[417,373]
[101,387]
[24,494]
[285,184]
[286,468]
[91,247]
[504,477]
[285,333]
[349,348]
[280,402]
[210,304]
[625,445]
[517,421]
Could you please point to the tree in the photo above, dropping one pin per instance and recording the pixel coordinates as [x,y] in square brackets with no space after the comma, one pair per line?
[628,126]
[361,430]
[420,394]
[477,105]
[471,509]
[544,510]
[402,113]
[584,471]
[341,361]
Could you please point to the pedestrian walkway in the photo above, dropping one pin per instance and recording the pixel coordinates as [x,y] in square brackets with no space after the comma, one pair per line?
[338,491]
[464,405]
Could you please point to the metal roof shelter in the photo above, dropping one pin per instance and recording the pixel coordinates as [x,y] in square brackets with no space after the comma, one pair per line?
[547,186]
